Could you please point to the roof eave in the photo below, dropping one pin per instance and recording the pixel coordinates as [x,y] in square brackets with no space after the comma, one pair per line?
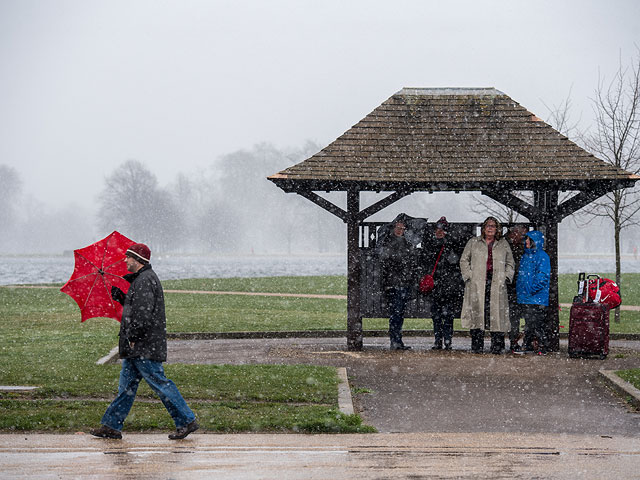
[296,184]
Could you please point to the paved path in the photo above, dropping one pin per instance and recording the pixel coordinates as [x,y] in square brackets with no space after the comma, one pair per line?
[336,457]
[425,391]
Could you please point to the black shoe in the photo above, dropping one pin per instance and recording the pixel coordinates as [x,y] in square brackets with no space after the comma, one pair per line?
[399,346]
[106,432]
[437,346]
[447,346]
[182,432]
[515,348]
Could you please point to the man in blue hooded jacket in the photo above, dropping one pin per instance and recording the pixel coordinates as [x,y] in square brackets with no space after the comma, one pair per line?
[532,290]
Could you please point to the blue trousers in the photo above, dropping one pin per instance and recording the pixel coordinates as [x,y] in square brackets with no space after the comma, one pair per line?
[134,370]
[397,301]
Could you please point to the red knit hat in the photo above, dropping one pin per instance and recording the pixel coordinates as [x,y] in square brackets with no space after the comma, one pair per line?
[140,252]
[443,224]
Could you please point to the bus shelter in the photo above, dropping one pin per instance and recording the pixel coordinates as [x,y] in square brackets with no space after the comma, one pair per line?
[452,139]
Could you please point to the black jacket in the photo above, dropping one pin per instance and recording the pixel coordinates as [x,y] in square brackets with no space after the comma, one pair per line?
[397,258]
[143,318]
[449,286]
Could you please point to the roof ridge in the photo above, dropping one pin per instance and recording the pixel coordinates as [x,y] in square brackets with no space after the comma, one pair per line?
[449,91]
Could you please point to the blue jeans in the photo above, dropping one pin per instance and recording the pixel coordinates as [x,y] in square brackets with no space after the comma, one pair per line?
[134,370]
[397,301]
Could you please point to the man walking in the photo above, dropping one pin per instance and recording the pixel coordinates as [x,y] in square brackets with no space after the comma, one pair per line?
[143,348]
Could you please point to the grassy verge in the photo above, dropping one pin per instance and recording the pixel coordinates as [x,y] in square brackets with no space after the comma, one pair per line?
[224,417]
[44,344]
[632,376]
[327,285]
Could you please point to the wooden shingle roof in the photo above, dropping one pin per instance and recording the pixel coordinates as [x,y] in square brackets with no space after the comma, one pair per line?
[450,139]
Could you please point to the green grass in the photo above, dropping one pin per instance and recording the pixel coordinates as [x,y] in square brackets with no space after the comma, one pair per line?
[229,417]
[43,343]
[632,376]
[327,285]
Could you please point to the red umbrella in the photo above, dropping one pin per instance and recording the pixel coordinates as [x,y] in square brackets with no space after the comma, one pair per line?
[97,268]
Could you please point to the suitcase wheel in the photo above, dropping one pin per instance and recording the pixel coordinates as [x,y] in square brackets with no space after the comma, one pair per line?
[603,356]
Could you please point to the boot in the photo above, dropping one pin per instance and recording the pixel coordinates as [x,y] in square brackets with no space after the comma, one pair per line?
[497,342]
[437,345]
[182,432]
[477,340]
[106,432]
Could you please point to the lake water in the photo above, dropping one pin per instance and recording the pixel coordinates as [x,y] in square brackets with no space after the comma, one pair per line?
[58,269]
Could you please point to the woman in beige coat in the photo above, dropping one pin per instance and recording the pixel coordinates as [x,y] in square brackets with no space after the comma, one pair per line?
[486,266]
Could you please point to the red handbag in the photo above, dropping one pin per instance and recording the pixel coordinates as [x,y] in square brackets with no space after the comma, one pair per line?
[427,284]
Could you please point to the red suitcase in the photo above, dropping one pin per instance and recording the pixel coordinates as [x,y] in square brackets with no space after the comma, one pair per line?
[588,324]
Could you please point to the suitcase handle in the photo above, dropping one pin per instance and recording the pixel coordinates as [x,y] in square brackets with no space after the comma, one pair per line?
[583,286]
[582,295]
[591,277]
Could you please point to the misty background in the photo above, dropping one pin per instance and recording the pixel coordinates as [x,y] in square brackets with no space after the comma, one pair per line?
[162,120]
[230,208]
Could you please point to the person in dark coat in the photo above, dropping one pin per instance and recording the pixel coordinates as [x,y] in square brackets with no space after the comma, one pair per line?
[532,287]
[397,257]
[446,296]
[143,348]
[515,238]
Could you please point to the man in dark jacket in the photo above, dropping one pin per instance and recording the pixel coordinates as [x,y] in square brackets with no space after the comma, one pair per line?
[143,348]
[446,296]
[397,264]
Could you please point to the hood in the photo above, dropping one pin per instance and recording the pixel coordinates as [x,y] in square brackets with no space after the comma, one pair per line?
[537,238]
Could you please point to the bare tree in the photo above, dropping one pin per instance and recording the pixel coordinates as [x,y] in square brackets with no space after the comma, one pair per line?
[616,140]
[560,117]
[133,203]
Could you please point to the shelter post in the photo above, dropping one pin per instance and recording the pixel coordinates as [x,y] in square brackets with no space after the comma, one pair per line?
[354,320]
[553,316]
[546,202]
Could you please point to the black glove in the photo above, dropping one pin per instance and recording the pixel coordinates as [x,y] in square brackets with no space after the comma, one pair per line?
[117,295]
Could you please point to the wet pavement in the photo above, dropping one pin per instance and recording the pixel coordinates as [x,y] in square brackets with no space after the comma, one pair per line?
[338,457]
[421,390]
[440,414]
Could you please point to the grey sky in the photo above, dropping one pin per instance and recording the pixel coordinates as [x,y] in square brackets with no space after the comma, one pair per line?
[86,85]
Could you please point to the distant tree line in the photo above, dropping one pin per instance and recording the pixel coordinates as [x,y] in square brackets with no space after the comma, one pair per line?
[229,208]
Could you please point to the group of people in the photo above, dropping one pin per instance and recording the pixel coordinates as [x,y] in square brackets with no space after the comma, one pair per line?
[494,281]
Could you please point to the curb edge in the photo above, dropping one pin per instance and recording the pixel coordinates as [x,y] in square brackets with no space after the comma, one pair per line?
[621,386]
[109,357]
[345,402]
